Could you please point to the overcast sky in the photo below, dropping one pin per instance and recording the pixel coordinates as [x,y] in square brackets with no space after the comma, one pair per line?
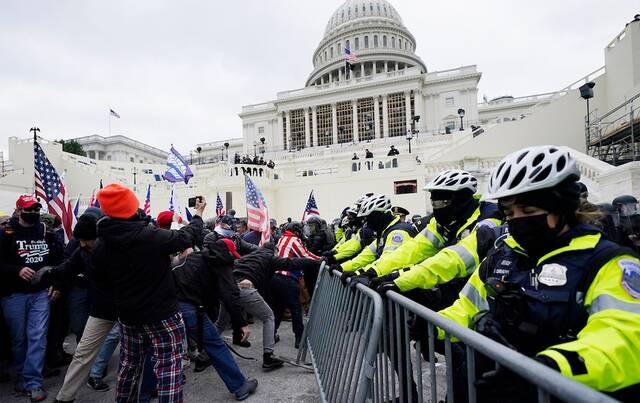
[179,71]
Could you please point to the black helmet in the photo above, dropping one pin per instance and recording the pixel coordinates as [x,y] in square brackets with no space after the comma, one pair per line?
[624,199]
[295,227]
[314,219]
[607,208]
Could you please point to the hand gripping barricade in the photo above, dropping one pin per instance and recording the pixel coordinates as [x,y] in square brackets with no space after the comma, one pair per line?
[362,349]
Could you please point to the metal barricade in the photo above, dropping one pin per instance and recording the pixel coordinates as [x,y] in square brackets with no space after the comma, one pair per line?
[341,338]
[362,350]
[399,371]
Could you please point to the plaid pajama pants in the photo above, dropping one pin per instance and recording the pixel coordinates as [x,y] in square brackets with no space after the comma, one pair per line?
[165,341]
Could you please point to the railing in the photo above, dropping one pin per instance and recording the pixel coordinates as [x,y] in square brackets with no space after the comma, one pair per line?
[342,337]
[360,347]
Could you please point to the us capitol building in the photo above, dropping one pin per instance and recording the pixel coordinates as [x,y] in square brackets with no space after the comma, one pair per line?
[387,97]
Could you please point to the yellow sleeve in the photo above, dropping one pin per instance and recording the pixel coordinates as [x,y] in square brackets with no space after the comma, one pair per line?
[365,257]
[606,354]
[457,261]
[471,300]
[414,250]
[349,248]
[339,233]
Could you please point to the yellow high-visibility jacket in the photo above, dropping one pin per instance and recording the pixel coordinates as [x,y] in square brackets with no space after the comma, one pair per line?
[608,346]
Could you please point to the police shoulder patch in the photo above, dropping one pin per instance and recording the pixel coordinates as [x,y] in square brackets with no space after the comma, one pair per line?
[630,277]
[397,237]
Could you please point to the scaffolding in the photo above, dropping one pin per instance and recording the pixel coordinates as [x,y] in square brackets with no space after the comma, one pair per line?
[615,136]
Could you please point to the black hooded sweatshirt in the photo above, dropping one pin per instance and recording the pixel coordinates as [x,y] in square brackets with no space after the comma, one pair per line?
[259,267]
[205,278]
[33,247]
[135,257]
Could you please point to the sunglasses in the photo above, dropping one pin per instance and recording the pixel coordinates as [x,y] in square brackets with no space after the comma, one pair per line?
[436,204]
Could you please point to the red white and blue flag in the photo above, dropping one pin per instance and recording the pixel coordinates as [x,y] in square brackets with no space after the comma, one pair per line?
[350,57]
[76,211]
[311,209]
[219,205]
[50,188]
[257,212]
[147,201]
[93,202]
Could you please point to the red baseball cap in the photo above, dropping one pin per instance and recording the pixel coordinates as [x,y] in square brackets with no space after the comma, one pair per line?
[27,201]
[164,219]
[231,246]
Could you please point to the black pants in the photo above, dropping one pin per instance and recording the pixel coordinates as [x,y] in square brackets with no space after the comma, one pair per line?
[285,294]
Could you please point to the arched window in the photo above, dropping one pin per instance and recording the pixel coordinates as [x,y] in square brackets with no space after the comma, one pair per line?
[400,43]
[339,47]
[356,10]
[393,41]
[331,52]
[366,41]
[375,41]
[325,55]
[384,41]
[371,7]
[357,43]
[363,9]
[347,45]
[406,45]
[349,12]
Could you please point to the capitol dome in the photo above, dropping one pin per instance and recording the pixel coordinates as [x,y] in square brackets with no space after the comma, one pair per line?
[372,30]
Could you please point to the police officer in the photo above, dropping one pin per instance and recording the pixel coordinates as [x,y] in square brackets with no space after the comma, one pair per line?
[359,235]
[390,234]
[553,288]
[436,256]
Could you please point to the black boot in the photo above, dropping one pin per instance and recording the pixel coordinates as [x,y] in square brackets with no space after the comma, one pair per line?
[270,361]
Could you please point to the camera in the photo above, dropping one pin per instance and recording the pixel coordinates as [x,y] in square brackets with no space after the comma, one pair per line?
[192,200]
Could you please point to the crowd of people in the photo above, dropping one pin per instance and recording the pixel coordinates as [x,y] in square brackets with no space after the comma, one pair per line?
[247,159]
[531,264]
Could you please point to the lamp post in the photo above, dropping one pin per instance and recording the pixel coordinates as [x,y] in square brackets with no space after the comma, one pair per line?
[461,114]
[409,138]
[198,149]
[262,140]
[226,146]
[222,153]
[255,144]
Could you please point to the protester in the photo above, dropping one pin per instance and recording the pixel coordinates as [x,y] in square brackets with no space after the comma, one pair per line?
[134,256]
[284,284]
[393,151]
[26,247]
[206,278]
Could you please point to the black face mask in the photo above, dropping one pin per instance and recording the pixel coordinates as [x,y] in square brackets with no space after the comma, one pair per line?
[533,234]
[445,215]
[30,218]
[377,221]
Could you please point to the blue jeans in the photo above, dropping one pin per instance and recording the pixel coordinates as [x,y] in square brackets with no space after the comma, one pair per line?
[106,351]
[214,345]
[27,317]
[78,310]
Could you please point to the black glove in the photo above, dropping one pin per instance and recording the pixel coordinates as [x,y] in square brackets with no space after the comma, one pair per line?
[330,258]
[383,279]
[42,276]
[333,267]
[544,360]
[387,286]
[345,275]
[363,278]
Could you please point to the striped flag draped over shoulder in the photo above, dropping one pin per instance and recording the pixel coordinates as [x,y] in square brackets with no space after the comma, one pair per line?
[219,205]
[50,188]
[177,168]
[257,212]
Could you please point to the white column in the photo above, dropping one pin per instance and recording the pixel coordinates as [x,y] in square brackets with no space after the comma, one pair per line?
[407,108]
[307,131]
[386,67]
[376,117]
[420,110]
[354,107]
[375,68]
[362,69]
[340,74]
[288,145]
[396,66]
[277,139]
[334,123]
[314,120]
[385,117]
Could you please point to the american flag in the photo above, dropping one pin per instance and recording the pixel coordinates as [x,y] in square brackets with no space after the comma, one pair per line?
[49,187]
[114,113]
[76,211]
[219,205]
[93,202]
[257,213]
[349,56]
[147,201]
[311,208]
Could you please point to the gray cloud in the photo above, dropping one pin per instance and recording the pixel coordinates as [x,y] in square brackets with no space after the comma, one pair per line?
[180,71]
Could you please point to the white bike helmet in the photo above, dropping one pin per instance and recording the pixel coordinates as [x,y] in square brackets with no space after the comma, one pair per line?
[375,203]
[532,168]
[453,180]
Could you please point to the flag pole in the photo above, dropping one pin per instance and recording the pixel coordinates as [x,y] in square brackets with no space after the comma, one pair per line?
[109,118]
